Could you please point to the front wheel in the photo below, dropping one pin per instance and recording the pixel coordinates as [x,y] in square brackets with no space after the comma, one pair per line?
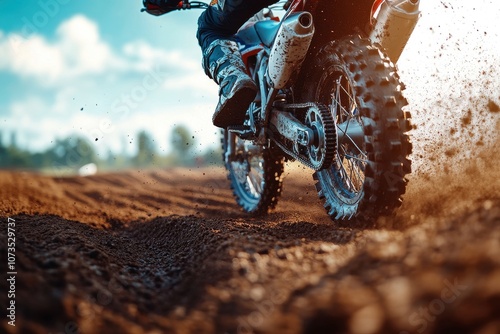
[254,171]
[361,88]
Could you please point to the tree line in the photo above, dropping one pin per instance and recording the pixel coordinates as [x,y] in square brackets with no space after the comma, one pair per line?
[68,155]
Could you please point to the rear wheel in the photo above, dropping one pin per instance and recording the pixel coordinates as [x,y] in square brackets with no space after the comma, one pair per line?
[255,173]
[362,90]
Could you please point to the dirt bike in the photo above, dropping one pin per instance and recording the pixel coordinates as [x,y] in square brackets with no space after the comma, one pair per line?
[330,98]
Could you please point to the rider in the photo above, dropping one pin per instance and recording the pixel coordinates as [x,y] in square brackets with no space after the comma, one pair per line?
[221,58]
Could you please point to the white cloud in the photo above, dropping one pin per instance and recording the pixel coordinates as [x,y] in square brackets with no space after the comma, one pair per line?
[33,58]
[142,55]
[82,48]
[78,51]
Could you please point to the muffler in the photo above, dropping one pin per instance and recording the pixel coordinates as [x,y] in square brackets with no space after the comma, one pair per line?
[290,48]
[394,24]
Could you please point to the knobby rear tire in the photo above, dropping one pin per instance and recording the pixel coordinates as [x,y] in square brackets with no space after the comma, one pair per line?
[368,180]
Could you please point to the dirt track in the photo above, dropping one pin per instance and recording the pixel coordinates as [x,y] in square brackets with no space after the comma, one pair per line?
[169,251]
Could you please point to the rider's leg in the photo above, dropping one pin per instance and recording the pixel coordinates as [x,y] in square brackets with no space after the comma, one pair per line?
[222,60]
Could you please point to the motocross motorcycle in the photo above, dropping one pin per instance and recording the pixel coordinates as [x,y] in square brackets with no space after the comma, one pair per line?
[330,98]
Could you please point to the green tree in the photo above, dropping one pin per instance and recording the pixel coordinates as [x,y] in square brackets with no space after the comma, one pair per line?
[3,152]
[13,156]
[69,154]
[146,150]
[183,143]
[17,158]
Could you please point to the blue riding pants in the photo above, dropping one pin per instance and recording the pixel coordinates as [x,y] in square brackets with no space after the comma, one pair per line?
[222,20]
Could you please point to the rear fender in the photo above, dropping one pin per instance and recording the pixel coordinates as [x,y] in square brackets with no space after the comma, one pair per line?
[336,18]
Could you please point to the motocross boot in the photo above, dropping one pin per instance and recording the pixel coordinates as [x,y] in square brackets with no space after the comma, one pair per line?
[222,63]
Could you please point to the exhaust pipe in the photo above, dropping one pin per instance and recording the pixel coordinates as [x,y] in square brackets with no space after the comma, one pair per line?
[394,25]
[290,48]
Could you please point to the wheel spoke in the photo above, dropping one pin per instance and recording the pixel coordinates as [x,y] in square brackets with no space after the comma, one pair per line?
[343,110]
[252,186]
[359,178]
[336,104]
[346,175]
[353,157]
[351,100]
[351,140]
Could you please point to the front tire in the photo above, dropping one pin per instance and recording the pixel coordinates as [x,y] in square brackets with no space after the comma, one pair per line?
[255,173]
[360,86]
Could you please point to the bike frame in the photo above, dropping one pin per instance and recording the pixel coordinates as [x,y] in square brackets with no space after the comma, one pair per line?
[267,94]
[334,19]
[261,54]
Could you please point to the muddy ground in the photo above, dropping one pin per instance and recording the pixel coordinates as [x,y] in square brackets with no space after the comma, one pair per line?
[168,251]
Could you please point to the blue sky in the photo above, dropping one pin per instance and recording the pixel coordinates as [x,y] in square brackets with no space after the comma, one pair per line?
[128,71]
[105,70]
